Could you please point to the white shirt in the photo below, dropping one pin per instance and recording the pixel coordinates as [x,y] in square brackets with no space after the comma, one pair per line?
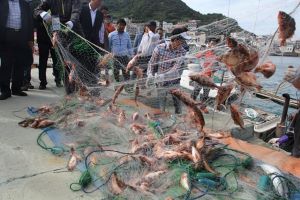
[149,41]
[14,15]
[93,14]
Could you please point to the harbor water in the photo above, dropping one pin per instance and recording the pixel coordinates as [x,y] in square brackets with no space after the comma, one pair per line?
[272,84]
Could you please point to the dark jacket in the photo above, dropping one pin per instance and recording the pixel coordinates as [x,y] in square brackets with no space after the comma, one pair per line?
[67,10]
[26,21]
[91,33]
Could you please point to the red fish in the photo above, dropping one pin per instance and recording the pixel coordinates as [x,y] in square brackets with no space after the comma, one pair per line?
[248,80]
[236,115]
[267,69]
[223,94]
[203,80]
[287,27]
[117,93]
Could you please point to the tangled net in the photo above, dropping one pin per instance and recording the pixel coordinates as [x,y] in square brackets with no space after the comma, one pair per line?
[112,130]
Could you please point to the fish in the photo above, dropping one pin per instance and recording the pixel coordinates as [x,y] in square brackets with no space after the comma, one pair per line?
[223,94]
[73,160]
[25,123]
[137,128]
[105,60]
[287,27]
[231,43]
[147,160]
[207,167]
[117,93]
[121,117]
[185,182]
[117,186]
[248,80]
[198,117]
[45,123]
[200,144]
[267,69]
[279,183]
[135,116]
[236,115]
[152,175]
[36,122]
[137,92]
[185,98]
[203,80]
[196,155]
[131,64]
[239,58]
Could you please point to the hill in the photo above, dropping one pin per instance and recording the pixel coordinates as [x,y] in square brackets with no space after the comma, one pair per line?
[161,10]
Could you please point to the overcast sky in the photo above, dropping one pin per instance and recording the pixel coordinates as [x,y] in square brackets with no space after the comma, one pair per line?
[258,16]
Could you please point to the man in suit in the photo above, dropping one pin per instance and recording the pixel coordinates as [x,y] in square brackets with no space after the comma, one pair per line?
[91,20]
[16,35]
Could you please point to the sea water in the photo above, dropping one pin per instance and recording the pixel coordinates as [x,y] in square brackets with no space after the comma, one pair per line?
[272,84]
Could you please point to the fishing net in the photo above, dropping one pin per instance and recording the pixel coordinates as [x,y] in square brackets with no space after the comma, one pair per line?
[112,126]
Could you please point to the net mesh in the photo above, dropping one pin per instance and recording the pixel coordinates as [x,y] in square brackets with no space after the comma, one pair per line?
[112,119]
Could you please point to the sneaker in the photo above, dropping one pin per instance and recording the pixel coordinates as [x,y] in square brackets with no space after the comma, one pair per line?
[42,87]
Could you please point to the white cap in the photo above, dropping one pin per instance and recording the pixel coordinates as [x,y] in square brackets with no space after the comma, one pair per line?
[185,36]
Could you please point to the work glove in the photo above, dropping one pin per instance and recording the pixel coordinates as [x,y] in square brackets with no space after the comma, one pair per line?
[46,17]
[69,25]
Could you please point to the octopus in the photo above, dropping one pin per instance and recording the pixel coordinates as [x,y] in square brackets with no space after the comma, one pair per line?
[267,69]
[236,115]
[287,27]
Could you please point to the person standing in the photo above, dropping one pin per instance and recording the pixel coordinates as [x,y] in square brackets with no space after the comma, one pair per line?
[121,48]
[168,58]
[293,76]
[16,36]
[149,41]
[138,39]
[91,20]
[45,46]
[66,12]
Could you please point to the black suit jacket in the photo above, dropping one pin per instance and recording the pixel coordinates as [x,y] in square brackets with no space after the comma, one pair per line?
[91,33]
[26,21]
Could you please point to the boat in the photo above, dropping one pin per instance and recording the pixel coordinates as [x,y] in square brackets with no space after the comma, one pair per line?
[263,94]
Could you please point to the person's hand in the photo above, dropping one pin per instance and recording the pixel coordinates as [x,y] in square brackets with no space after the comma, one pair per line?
[69,25]
[54,39]
[292,77]
[46,17]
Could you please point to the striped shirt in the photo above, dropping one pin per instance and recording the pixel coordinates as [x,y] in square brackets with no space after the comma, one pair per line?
[14,15]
